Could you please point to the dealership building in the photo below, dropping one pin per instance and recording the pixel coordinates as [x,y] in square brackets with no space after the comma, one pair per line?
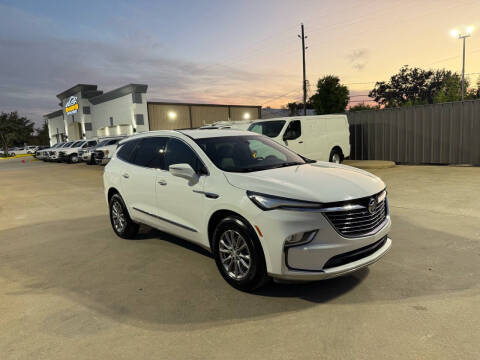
[87,112]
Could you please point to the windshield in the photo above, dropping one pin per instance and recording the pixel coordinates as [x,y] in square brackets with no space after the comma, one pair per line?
[112,141]
[267,128]
[67,144]
[248,153]
[77,144]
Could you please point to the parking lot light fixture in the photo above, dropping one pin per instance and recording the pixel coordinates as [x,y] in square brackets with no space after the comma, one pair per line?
[172,115]
[246,116]
[459,35]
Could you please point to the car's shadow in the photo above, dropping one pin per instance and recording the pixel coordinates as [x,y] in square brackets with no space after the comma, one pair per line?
[160,280]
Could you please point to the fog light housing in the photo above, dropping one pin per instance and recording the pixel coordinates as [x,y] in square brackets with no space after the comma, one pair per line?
[300,238]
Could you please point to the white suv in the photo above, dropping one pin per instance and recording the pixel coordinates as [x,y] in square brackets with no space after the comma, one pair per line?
[260,208]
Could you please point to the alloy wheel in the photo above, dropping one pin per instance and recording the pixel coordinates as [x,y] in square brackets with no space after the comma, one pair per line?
[234,255]
[118,217]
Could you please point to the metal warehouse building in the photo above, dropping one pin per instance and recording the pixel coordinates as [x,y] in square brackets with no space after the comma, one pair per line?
[87,112]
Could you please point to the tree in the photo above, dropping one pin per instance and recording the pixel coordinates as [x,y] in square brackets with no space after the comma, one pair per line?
[42,137]
[362,106]
[295,109]
[14,129]
[413,86]
[451,90]
[331,96]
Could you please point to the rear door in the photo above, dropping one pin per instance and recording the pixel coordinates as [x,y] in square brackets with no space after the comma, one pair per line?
[138,175]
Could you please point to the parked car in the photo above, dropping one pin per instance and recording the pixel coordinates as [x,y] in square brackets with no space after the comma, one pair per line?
[18,151]
[53,154]
[261,209]
[236,125]
[88,154]
[71,154]
[104,153]
[42,151]
[319,137]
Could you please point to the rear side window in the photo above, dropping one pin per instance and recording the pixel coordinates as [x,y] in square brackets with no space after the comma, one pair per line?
[150,152]
[180,153]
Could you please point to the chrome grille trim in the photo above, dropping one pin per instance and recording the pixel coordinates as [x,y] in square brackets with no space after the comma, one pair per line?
[358,221]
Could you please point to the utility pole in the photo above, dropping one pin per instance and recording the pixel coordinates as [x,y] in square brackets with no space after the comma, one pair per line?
[466,34]
[463,67]
[303,37]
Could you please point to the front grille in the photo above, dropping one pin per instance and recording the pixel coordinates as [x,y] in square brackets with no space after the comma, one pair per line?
[99,154]
[61,154]
[359,221]
[80,153]
[351,256]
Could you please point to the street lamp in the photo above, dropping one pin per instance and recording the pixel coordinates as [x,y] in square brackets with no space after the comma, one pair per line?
[459,35]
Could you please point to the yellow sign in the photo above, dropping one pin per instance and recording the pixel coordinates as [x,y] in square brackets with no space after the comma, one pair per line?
[71,107]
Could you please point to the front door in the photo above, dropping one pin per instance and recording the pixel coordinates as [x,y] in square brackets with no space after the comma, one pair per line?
[295,137]
[181,201]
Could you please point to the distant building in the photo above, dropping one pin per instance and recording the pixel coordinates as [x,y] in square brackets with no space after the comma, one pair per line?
[269,113]
[87,112]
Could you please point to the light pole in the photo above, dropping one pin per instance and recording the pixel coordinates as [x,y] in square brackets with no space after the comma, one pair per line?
[459,35]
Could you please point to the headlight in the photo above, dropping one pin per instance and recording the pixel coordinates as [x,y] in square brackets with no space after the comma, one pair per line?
[270,202]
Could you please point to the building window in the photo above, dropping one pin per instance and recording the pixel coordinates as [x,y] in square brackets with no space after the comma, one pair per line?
[86,110]
[111,121]
[139,119]
[137,98]
[88,126]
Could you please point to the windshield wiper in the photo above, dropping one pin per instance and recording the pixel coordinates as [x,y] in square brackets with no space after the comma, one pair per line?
[285,164]
[260,168]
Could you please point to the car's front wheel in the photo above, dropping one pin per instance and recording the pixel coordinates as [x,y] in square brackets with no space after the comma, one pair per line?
[121,222]
[238,254]
[73,159]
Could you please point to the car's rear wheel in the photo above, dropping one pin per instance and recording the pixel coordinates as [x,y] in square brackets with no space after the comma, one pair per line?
[336,156]
[121,222]
[238,254]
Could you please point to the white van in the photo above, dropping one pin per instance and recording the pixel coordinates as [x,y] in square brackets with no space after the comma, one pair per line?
[318,137]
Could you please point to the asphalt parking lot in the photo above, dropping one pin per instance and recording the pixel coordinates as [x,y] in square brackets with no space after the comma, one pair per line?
[70,289]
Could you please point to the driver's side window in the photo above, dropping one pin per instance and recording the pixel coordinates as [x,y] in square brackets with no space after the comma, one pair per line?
[294,130]
[178,152]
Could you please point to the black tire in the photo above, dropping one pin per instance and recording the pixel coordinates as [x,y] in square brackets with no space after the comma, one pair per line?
[130,229]
[256,275]
[334,155]
[73,159]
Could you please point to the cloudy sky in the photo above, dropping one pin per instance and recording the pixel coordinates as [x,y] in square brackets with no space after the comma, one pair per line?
[237,52]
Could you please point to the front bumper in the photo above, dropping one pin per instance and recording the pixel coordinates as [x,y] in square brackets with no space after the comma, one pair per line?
[103,161]
[309,261]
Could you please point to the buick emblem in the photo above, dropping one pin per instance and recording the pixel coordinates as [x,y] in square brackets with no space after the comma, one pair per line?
[372,205]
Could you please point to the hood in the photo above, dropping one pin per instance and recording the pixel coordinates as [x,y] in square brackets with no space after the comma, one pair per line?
[318,182]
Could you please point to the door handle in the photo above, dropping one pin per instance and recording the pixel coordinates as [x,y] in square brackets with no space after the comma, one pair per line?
[162,182]
[126,176]
[300,142]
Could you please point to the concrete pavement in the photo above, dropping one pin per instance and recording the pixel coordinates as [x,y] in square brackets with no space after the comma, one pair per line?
[71,289]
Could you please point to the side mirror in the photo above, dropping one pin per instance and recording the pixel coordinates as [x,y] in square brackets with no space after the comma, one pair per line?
[184,171]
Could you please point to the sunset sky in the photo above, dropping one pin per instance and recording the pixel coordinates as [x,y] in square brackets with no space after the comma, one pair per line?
[236,52]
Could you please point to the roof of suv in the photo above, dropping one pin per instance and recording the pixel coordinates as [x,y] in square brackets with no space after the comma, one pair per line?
[196,133]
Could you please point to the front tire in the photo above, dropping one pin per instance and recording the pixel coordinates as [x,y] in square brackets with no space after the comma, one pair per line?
[121,222]
[238,254]
[73,159]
